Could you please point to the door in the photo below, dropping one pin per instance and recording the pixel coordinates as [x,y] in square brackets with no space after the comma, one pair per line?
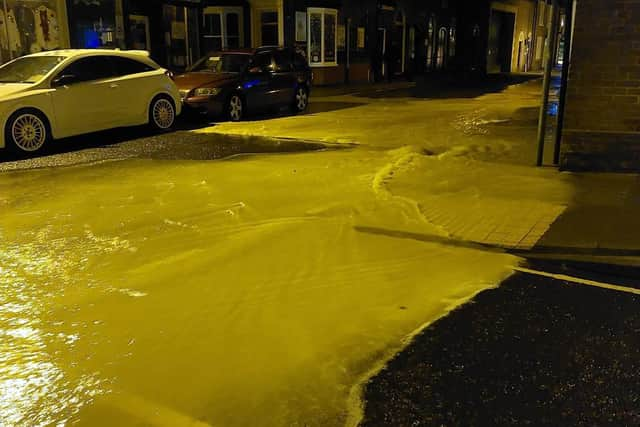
[90,102]
[140,82]
[181,35]
[139,32]
[381,51]
[257,85]
[283,77]
[501,28]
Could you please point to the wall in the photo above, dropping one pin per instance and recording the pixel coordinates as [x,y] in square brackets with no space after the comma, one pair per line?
[602,124]
[523,10]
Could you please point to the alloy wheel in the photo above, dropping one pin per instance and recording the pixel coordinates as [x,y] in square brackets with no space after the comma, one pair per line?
[235,108]
[163,113]
[302,98]
[28,132]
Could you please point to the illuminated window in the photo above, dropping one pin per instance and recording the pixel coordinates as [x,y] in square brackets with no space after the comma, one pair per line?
[222,28]
[322,35]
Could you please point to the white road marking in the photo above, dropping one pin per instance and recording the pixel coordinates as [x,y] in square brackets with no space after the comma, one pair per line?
[579,280]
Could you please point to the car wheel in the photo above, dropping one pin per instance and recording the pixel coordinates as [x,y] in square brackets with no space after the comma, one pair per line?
[27,132]
[301,100]
[235,108]
[162,113]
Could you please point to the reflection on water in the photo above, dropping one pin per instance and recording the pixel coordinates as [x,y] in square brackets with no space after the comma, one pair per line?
[212,293]
[34,390]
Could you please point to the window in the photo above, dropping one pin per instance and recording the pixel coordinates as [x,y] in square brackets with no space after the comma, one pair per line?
[222,28]
[442,48]
[91,68]
[452,38]
[269,28]
[429,42]
[232,27]
[212,32]
[322,28]
[126,66]
[29,69]
[263,61]
[283,61]
[299,62]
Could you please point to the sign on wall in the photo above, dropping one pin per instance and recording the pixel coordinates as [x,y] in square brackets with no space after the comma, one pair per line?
[360,37]
[341,37]
[301,26]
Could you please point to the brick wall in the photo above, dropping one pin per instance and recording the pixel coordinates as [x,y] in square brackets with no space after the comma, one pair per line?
[602,124]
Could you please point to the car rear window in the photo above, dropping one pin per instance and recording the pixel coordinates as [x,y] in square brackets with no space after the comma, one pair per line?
[125,66]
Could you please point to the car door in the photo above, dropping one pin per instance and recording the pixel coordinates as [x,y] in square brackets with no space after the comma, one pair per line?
[85,103]
[283,77]
[139,82]
[257,83]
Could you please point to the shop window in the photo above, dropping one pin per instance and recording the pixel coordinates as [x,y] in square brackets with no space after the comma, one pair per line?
[322,34]
[442,48]
[429,42]
[452,39]
[93,24]
[29,27]
[222,28]
[269,28]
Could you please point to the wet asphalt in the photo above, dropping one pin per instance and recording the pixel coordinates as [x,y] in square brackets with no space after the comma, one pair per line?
[535,351]
[183,143]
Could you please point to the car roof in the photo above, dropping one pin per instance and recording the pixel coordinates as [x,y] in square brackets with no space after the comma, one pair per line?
[75,53]
[248,51]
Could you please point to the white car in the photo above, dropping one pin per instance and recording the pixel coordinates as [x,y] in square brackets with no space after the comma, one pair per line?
[56,94]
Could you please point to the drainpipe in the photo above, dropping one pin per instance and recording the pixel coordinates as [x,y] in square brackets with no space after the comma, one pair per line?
[566,58]
[549,48]
[347,41]
[6,29]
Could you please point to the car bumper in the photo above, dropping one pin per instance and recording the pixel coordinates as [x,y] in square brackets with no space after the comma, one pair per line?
[212,106]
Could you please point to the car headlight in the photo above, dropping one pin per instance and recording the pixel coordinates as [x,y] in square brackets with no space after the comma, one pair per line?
[207,91]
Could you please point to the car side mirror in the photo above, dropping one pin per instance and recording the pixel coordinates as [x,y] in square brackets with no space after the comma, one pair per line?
[64,80]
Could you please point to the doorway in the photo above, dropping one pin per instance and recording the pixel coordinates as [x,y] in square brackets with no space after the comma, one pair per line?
[501,29]
[380,70]
[181,35]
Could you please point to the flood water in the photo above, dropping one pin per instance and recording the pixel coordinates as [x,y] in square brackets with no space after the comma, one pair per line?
[229,292]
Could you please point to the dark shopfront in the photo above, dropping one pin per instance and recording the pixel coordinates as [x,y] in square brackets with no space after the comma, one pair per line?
[170,30]
[95,24]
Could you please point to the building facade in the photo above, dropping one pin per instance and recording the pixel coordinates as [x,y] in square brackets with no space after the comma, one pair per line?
[602,114]
[343,40]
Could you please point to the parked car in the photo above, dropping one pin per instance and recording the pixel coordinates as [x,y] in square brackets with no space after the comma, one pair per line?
[233,82]
[62,93]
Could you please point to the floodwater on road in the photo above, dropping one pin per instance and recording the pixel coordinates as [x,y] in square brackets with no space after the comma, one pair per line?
[236,292]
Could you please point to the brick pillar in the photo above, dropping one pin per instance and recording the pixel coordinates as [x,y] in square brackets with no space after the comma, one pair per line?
[602,124]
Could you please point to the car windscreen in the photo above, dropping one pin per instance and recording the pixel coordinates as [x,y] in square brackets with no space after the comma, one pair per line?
[28,69]
[223,63]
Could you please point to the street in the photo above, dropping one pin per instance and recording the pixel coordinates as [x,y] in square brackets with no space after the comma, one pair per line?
[259,273]
[537,351]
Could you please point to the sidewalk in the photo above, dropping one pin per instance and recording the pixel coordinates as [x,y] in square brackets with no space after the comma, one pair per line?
[468,164]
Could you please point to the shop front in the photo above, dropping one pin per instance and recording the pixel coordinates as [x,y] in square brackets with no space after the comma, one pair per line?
[95,24]
[170,30]
[28,26]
